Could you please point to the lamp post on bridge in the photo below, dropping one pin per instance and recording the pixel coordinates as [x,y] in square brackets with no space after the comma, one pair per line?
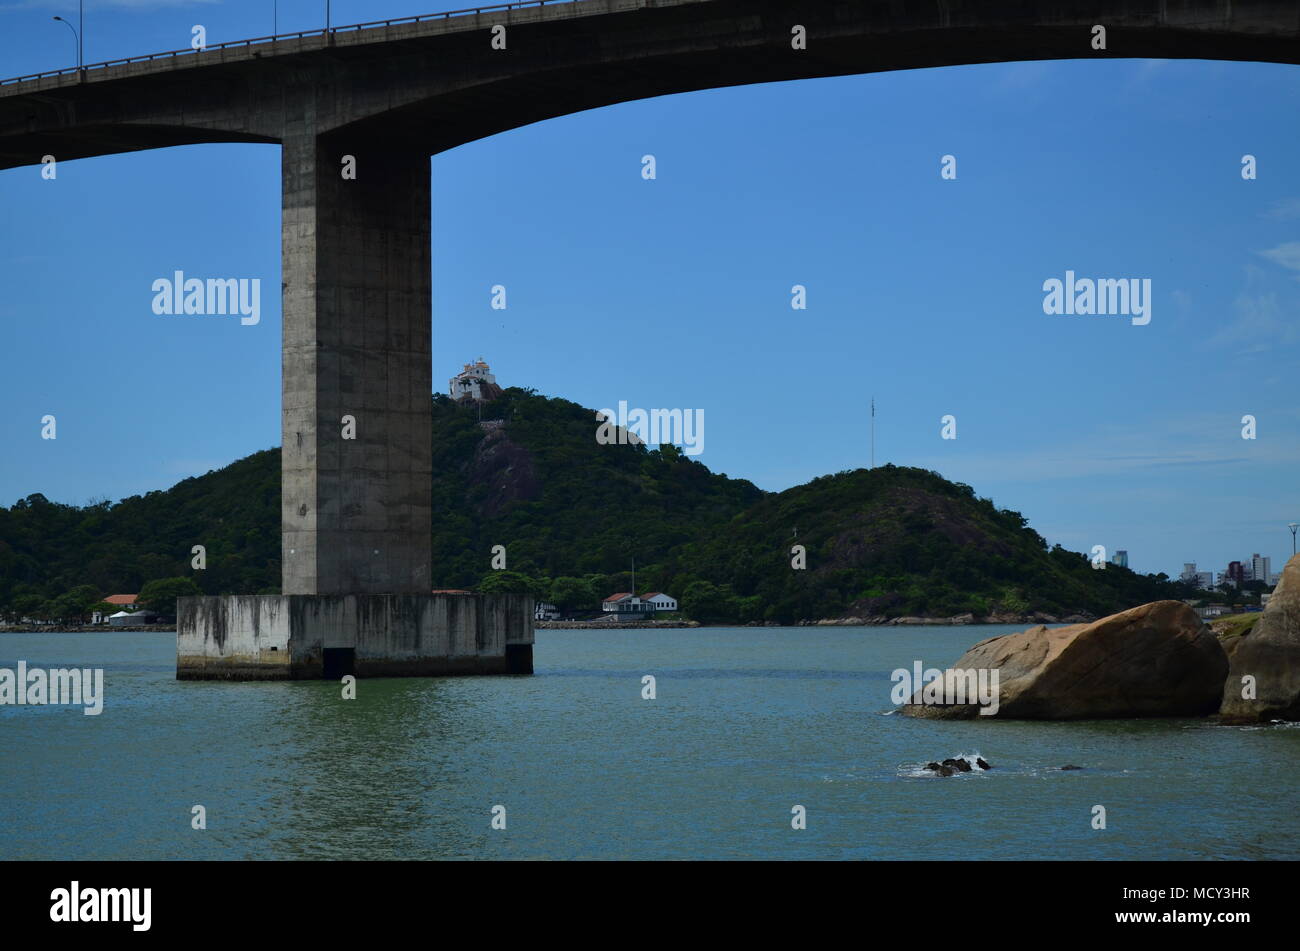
[77,31]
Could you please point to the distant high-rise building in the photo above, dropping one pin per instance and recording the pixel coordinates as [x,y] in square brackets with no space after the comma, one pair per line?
[1120,559]
[1235,574]
[1196,578]
[1260,568]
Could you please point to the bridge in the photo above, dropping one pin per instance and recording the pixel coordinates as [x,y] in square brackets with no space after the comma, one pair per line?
[357,297]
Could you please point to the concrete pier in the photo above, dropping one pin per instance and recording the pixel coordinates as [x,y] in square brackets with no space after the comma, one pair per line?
[357,456]
[300,637]
[357,384]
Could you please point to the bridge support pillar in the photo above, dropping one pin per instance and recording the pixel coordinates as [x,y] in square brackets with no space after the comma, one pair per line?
[357,456]
[357,477]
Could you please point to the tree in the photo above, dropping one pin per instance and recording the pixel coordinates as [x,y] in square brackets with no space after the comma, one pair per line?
[705,602]
[512,582]
[27,605]
[160,595]
[82,599]
[573,594]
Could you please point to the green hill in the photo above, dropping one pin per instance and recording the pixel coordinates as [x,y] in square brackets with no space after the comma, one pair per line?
[572,515]
[891,542]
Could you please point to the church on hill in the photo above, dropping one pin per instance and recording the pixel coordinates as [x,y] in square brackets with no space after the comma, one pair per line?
[475,383]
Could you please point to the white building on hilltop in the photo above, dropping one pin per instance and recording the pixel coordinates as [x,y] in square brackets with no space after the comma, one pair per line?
[474,382]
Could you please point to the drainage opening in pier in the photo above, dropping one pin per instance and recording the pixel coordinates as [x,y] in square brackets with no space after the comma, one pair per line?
[339,662]
[519,658]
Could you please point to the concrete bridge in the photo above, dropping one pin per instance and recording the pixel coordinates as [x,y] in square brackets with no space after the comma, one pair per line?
[356,256]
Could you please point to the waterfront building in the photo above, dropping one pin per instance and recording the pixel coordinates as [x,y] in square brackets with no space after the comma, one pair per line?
[625,602]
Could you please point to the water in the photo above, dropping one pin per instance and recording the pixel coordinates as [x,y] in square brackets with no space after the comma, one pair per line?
[748,723]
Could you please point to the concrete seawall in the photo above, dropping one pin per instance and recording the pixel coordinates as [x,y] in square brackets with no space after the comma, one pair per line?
[296,637]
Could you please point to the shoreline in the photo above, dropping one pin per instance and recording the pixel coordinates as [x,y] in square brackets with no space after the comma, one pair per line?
[87,629]
[960,621]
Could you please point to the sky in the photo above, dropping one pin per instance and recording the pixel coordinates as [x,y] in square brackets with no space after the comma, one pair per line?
[923,292]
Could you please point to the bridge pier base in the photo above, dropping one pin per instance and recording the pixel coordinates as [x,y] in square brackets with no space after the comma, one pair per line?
[310,637]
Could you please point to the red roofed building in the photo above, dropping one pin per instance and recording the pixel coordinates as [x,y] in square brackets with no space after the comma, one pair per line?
[625,602]
[661,601]
[122,600]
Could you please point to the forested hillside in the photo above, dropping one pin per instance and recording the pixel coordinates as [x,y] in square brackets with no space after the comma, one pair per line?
[573,515]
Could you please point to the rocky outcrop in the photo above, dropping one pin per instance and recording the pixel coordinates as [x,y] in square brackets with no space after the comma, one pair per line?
[507,471]
[957,764]
[1270,654]
[1156,660]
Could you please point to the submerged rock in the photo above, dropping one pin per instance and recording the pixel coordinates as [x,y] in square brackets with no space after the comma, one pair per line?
[1155,660]
[956,764]
[1270,653]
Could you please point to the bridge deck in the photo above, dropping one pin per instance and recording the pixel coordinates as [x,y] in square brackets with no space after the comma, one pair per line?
[306,41]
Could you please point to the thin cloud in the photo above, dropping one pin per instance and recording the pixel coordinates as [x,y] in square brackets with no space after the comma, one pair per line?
[1287,255]
[1201,441]
[1286,209]
[1258,325]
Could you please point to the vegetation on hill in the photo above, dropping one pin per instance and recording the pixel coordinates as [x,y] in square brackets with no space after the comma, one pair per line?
[49,550]
[572,515]
[894,541]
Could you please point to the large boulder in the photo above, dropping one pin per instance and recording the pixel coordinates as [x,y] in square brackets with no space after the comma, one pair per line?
[1270,653]
[1156,660]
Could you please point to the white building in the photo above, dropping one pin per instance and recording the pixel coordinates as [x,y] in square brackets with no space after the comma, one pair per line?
[474,382]
[545,611]
[130,619]
[625,602]
[1260,568]
[661,601]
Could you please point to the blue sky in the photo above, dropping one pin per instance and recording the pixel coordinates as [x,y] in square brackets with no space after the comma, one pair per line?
[675,292]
